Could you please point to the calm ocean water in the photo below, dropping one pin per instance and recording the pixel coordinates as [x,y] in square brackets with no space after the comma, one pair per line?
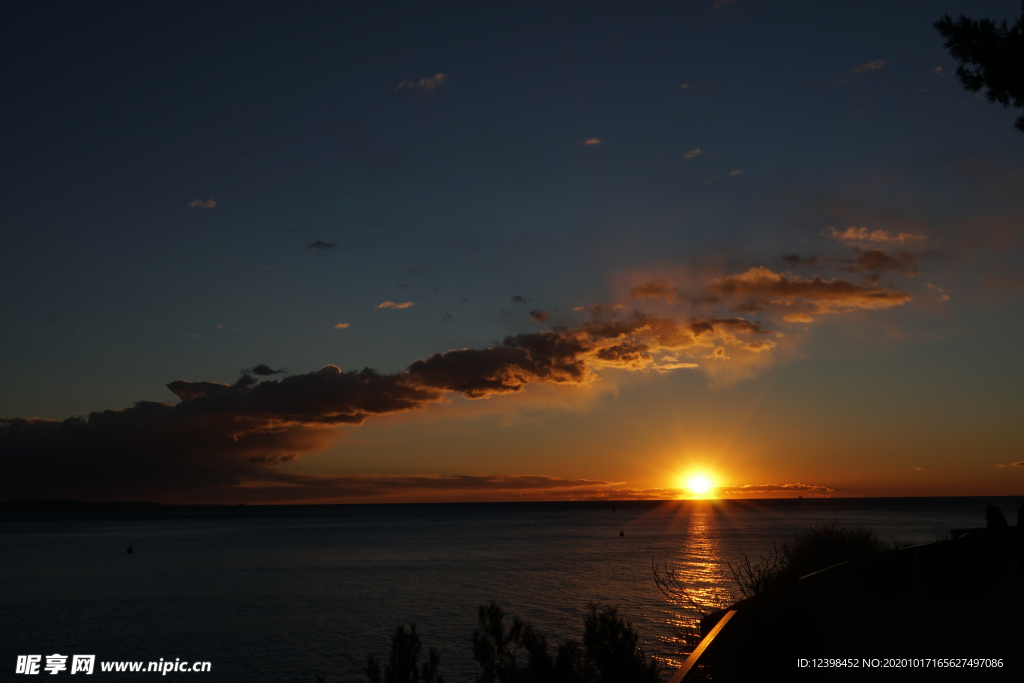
[278,593]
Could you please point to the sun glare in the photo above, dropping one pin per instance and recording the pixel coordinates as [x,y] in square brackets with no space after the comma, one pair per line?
[698,483]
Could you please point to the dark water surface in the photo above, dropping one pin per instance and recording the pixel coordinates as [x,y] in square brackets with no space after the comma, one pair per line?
[277,593]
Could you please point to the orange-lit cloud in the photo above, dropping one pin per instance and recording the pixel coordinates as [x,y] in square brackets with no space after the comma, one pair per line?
[200,204]
[771,488]
[798,318]
[760,288]
[392,304]
[341,326]
[426,85]
[693,154]
[735,172]
[589,142]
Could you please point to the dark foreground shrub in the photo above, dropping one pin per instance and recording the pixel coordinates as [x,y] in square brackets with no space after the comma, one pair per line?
[403,665]
[609,653]
[817,547]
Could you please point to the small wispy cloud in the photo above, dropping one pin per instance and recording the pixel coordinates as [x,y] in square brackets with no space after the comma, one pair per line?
[938,72]
[263,370]
[200,204]
[693,154]
[320,247]
[341,326]
[392,304]
[735,172]
[540,315]
[869,66]
[1019,463]
[717,354]
[589,142]
[798,318]
[866,238]
[920,469]
[685,86]
[425,85]
[943,296]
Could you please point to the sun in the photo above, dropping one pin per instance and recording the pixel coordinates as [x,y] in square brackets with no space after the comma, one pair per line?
[699,483]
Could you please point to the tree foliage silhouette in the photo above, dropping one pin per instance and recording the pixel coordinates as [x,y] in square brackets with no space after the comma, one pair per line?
[991,56]
[403,665]
[609,653]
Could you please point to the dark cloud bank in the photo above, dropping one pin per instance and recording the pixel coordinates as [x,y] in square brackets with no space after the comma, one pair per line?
[221,442]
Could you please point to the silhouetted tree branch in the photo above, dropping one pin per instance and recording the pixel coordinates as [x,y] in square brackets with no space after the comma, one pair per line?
[991,56]
[403,665]
[609,654]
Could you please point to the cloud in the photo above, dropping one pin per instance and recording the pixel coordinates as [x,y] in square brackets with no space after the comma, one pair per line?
[876,260]
[760,288]
[1019,463]
[718,354]
[735,172]
[341,326]
[861,237]
[760,345]
[943,296]
[685,86]
[763,488]
[519,300]
[693,153]
[218,435]
[1000,465]
[872,260]
[869,66]
[540,315]
[320,247]
[425,85]
[199,204]
[919,469]
[798,318]
[937,71]
[655,290]
[589,142]
[392,304]
[263,370]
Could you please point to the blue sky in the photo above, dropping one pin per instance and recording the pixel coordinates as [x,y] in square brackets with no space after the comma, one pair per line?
[166,169]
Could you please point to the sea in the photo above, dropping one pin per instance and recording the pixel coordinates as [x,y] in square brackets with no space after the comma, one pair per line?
[282,593]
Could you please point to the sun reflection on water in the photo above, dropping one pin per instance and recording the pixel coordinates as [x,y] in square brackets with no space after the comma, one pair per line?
[699,568]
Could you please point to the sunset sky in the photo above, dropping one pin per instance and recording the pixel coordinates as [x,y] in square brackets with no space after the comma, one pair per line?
[776,244]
